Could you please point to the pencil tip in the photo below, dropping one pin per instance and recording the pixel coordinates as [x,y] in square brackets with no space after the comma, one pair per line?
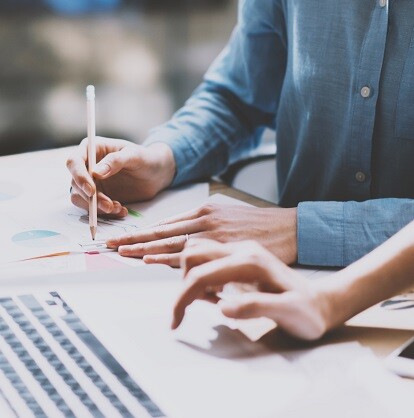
[93,232]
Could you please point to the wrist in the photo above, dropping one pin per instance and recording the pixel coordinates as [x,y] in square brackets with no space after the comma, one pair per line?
[293,214]
[340,298]
[326,300]
[286,244]
[163,163]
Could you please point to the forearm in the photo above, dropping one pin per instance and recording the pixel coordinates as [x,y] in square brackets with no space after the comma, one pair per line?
[239,96]
[213,129]
[162,164]
[385,272]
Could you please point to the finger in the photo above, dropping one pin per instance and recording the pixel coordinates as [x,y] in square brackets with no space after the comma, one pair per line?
[78,200]
[207,296]
[76,164]
[117,207]
[156,233]
[163,246]
[212,298]
[123,212]
[203,252]
[172,260]
[110,208]
[195,241]
[191,214]
[75,189]
[253,305]
[105,206]
[201,212]
[118,212]
[112,163]
[215,273]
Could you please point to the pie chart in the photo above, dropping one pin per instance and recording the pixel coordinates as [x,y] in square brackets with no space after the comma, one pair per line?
[39,238]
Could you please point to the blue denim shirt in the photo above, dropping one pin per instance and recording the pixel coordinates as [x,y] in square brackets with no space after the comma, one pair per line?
[336,81]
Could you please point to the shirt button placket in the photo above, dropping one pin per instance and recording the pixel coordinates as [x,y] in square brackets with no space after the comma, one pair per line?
[382,3]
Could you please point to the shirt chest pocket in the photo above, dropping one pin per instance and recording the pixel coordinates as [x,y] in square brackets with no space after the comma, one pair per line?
[404,122]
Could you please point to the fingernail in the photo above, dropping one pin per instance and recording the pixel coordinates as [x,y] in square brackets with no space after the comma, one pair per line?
[149,259]
[115,210]
[111,243]
[105,206]
[87,189]
[124,250]
[102,169]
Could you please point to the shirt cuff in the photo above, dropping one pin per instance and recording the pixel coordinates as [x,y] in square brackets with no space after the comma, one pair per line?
[321,236]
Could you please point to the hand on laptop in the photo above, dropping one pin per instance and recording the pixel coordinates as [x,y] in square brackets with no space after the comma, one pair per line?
[125,172]
[282,294]
[274,228]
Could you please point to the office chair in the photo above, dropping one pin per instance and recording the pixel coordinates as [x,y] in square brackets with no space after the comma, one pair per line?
[255,174]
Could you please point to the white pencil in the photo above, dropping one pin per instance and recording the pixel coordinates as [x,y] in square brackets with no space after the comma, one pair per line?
[93,204]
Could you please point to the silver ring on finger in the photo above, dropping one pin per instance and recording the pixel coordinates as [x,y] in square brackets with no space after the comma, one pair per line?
[186,238]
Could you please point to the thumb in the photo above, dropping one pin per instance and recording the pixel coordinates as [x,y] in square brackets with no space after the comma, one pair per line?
[114,162]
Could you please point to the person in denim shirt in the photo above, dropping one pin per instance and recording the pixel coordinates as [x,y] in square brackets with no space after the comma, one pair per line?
[336,82]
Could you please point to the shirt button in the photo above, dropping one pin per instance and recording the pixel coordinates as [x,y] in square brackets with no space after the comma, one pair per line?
[360,176]
[382,3]
[365,91]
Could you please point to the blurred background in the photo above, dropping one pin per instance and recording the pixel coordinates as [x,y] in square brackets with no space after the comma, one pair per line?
[145,57]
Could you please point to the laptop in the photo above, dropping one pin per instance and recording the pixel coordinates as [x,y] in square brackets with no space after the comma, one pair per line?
[53,365]
[97,345]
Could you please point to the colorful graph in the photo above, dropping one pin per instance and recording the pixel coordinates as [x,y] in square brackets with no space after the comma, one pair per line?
[109,226]
[39,238]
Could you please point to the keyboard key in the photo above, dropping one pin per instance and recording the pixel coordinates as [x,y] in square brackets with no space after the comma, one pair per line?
[20,387]
[74,353]
[109,360]
[13,310]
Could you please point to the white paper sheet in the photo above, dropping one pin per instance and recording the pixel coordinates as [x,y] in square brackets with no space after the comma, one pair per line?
[33,180]
[60,227]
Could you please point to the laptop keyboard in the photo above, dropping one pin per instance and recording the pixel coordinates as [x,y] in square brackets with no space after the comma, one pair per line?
[51,364]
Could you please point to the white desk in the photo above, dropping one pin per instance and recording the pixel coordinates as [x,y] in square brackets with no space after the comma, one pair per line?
[48,168]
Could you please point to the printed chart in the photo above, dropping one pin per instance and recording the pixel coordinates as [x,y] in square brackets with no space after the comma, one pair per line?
[39,238]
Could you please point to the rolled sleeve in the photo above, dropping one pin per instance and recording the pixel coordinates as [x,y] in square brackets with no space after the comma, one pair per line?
[182,151]
[321,233]
[336,234]
[224,118]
